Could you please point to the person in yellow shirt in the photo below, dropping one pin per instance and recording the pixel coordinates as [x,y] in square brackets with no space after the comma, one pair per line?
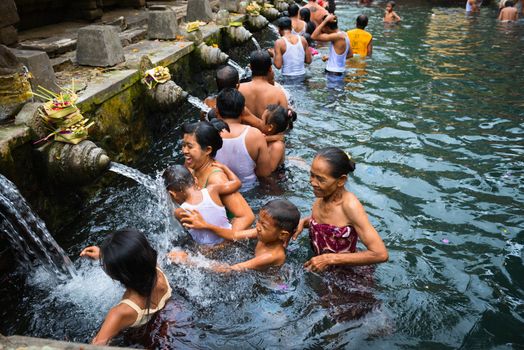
[361,40]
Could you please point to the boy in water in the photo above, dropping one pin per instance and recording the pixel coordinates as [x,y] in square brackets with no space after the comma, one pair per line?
[508,13]
[391,16]
[277,221]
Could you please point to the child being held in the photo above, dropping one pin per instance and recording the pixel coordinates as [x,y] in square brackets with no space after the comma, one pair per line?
[277,120]
[277,221]
[391,16]
[181,185]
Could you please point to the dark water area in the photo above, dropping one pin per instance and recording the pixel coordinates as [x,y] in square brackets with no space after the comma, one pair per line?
[435,122]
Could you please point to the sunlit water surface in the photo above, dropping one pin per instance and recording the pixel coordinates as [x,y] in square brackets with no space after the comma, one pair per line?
[435,123]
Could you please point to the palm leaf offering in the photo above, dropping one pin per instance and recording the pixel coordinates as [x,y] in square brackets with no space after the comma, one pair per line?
[253,9]
[193,26]
[62,116]
[235,24]
[157,75]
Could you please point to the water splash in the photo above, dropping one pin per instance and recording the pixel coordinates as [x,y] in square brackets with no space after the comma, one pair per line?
[135,175]
[28,234]
[241,71]
[274,29]
[198,103]
[255,42]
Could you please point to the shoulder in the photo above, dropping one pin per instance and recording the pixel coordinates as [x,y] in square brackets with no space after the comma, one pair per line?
[351,204]
[253,135]
[216,177]
[122,312]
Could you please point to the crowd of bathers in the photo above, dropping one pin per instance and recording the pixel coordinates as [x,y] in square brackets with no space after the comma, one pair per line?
[240,141]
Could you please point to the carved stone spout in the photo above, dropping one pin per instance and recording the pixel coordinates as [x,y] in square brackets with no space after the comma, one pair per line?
[239,35]
[270,13]
[257,22]
[167,95]
[211,56]
[74,164]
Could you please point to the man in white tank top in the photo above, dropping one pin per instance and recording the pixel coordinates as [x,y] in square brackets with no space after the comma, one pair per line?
[291,51]
[245,149]
[340,48]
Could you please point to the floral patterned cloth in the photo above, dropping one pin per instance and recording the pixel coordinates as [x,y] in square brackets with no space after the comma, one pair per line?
[327,238]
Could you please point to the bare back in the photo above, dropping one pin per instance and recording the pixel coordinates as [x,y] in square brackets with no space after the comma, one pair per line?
[259,93]
[508,14]
[317,12]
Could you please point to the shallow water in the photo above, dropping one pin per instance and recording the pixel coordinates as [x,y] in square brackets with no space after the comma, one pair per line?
[435,122]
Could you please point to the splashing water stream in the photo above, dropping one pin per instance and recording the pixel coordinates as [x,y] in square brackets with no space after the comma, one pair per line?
[198,103]
[255,42]
[241,71]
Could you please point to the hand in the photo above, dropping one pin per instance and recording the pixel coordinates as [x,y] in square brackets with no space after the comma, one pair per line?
[300,228]
[325,58]
[271,52]
[92,252]
[330,18]
[318,263]
[179,257]
[193,219]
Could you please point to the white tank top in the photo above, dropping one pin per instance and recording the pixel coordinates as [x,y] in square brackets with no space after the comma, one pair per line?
[337,63]
[293,58]
[235,156]
[302,32]
[213,214]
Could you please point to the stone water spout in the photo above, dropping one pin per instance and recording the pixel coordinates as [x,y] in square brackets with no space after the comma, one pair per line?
[167,95]
[257,22]
[74,164]
[270,13]
[239,35]
[211,56]
[281,6]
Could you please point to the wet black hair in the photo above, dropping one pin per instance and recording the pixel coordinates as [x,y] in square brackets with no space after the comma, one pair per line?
[333,25]
[285,214]
[362,21]
[293,10]
[392,3]
[127,257]
[310,41]
[284,23]
[226,77]
[305,14]
[338,160]
[310,27]
[230,103]
[280,117]
[207,133]
[509,3]
[260,63]
[177,178]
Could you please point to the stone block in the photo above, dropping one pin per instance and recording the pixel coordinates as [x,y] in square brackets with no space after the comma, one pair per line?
[91,15]
[199,10]
[162,25]
[40,67]
[9,13]
[54,46]
[99,46]
[8,35]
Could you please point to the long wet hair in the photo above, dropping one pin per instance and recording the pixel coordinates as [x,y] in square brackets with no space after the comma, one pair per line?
[207,134]
[127,257]
[339,161]
[177,178]
[282,119]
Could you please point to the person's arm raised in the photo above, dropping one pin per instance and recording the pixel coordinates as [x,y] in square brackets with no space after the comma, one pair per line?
[317,33]
[248,118]
[376,250]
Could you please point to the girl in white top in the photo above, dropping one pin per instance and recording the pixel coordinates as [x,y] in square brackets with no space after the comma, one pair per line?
[128,257]
[184,191]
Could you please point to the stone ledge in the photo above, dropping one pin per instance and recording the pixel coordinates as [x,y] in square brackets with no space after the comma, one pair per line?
[19,342]
[11,137]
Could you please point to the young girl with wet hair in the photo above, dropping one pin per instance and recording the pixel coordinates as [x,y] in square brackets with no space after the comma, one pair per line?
[127,257]
[277,120]
[338,219]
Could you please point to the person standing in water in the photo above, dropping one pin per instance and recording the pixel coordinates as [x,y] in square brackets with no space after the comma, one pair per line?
[391,16]
[361,40]
[508,13]
[338,219]
[317,12]
[472,6]
[298,25]
[127,257]
[339,48]
[291,51]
